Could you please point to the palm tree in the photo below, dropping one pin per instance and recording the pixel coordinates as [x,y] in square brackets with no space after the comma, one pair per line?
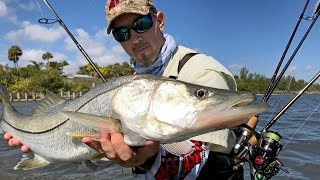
[14,53]
[63,64]
[46,56]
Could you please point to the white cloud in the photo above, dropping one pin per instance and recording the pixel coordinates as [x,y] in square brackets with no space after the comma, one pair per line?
[6,13]
[3,9]
[101,48]
[36,55]
[36,32]
[28,6]
[235,68]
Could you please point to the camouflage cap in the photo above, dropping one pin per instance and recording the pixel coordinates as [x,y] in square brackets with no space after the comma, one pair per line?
[115,8]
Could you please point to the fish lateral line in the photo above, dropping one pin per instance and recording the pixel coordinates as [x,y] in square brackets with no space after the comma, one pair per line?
[39,132]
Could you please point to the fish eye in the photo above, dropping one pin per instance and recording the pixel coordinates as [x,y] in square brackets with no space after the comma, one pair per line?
[201,93]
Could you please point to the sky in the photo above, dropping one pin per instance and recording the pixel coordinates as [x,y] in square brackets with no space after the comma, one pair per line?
[246,33]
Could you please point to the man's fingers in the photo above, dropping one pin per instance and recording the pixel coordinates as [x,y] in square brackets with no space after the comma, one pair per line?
[14,142]
[108,148]
[7,136]
[105,135]
[93,144]
[122,149]
[87,140]
[25,149]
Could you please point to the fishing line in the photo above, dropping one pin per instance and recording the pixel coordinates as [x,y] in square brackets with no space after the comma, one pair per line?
[301,125]
[261,150]
[283,110]
[315,16]
[279,101]
[291,58]
[270,123]
[39,8]
[273,79]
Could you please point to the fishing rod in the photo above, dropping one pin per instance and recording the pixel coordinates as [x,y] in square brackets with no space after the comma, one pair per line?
[58,19]
[261,153]
[254,120]
[284,53]
[274,120]
[262,157]
[252,123]
[313,21]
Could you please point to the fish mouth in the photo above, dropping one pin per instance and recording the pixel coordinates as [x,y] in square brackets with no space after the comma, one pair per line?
[247,106]
[243,102]
[229,116]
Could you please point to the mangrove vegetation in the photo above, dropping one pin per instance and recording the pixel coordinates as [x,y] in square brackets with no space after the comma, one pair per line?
[47,74]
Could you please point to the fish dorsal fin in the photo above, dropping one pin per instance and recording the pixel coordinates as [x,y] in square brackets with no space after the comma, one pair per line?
[179,148]
[4,94]
[9,110]
[28,162]
[49,100]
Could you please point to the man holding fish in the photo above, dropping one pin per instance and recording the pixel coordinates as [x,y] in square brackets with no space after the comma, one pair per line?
[139,28]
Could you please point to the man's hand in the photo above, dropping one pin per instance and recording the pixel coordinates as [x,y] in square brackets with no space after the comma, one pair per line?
[14,142]
[115,149]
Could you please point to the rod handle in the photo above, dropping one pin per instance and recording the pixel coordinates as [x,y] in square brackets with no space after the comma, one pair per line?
[253,123]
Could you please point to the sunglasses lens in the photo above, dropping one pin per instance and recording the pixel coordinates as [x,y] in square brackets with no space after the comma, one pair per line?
[142,24]
[121,34]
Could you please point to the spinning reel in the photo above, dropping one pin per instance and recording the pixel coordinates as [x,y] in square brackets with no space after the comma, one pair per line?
[262,156]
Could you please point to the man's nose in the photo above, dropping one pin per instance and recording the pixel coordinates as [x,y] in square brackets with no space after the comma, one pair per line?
[135,37]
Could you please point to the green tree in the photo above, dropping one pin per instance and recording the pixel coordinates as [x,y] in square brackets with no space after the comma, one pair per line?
[88,70]
[14,53]
[36,65]
[57,65]
[63,64]
[47,56]
[244,73]
[126,69]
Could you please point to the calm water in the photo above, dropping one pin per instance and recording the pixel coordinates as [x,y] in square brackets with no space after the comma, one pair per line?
[300,155]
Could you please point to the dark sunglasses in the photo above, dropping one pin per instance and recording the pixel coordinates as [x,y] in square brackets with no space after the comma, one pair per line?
[140,25]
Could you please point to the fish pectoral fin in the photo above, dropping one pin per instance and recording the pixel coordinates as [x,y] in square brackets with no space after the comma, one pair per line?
[94,121]
[80,135]
[179,148]
[36,162]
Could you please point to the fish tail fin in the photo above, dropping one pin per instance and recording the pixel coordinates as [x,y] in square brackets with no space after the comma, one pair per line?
[4,97]
[31,162]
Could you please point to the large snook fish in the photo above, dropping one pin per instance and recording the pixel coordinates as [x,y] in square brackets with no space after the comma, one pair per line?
[141,106]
